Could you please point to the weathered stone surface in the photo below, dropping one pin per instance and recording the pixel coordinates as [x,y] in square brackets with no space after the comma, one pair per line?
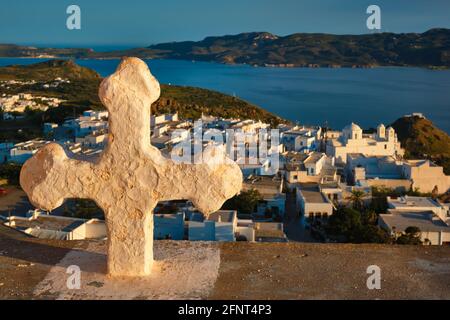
[131,176]
[197,263]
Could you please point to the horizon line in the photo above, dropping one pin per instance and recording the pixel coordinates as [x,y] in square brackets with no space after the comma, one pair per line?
[131,46]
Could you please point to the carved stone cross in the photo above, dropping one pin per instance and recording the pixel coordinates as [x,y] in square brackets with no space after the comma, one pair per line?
[131,176]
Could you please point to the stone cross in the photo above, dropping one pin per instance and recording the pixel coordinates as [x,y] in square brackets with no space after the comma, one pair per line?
[130,176]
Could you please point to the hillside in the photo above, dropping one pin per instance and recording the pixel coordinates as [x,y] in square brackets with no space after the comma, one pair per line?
[428,49]
[431,48]
[82,93]
[191,102]
[422,139]
[47,71]
[12,50]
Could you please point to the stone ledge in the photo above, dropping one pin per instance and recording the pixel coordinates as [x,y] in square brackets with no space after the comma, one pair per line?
[35,269]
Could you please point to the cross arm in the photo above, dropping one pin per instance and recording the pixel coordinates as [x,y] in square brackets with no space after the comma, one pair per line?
[50,177]
[208,184]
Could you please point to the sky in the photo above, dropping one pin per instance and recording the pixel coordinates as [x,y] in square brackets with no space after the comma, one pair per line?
[135,23]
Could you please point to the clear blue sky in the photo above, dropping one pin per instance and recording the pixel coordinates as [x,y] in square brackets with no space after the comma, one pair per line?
[144,22]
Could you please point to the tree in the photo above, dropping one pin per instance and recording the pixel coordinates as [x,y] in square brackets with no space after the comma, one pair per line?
[413,231]
[245,202]
[379,198]
[416,193]
[10,172]
[369,217]
[369,234]
[411,236]
[355,227]
[435,192]
[344,221]
[170,208]
[357,199]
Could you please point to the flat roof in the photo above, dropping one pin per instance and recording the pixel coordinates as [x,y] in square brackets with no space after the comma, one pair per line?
[421,162]
[312,194]
[279,234]
[49,223]
[160,140]
[225,216]
[411,202]
[404,219]
[268,181]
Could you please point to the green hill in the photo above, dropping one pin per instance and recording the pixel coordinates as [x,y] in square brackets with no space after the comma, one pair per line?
[82,93]
[422,139]
[47,71]
[191,102]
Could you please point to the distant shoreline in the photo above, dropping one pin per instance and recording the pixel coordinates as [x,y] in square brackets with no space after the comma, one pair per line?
[316,66]
[263,49]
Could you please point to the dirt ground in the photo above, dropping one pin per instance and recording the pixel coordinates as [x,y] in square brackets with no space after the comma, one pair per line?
[246,271]
[24,262]
[331,271]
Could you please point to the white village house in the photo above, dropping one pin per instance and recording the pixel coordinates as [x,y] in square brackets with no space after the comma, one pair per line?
[352,140]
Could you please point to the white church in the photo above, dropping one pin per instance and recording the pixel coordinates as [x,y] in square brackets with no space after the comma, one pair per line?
[352,140]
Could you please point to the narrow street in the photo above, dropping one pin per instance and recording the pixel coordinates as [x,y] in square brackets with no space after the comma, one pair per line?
[293,226]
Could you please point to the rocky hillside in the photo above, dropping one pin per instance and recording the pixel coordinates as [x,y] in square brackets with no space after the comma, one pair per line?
[428,49]
[431,48]
[422,139]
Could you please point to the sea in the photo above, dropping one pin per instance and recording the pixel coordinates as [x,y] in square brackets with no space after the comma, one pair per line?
[310,96]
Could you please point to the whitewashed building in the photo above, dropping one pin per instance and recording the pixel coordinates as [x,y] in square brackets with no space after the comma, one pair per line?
[44,226]
[352,140]
[23,151]
[433,230]
[220,226]
[312,203]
